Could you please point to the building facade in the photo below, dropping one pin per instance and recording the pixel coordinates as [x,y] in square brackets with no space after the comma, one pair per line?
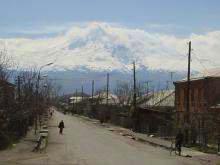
[204,99]
[204,93]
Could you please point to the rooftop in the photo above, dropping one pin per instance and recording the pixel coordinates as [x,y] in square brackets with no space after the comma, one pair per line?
[161,98]
[211,73]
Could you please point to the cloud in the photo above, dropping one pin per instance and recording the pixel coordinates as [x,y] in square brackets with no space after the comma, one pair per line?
[171,29]
[101,46]
[164,26]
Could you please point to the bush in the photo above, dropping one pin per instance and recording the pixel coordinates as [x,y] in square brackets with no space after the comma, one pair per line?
[4,141]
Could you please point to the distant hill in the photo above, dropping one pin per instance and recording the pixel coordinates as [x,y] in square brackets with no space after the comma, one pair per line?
[72,80]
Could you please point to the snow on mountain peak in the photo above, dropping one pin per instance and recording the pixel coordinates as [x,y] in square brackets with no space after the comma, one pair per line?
[102,46]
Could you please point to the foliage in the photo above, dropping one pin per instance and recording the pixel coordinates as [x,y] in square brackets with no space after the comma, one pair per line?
[4,140]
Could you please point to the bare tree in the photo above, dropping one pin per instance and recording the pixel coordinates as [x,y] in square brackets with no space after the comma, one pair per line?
[124,92]
[6,64]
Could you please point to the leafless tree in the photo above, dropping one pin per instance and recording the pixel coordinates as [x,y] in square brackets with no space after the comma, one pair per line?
[6,64]
[124,92]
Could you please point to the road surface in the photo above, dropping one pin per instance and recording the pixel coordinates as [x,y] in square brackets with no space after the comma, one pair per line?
[85,143]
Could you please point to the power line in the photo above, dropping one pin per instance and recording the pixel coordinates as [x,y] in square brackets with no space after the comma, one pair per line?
[200,62]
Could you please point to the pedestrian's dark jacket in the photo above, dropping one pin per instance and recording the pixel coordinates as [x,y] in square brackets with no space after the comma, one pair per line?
[179,138]
[61,124]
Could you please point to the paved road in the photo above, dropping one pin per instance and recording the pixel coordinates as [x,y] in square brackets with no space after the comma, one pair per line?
[84,143]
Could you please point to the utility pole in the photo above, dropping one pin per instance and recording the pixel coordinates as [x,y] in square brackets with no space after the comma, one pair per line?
[139,89]
[134,87]
[135,113]
[37,95]
[148,82]
[171,76]
[37,103]
[82,93]
[167,84]
[73,102]
[171,79]
[19,89]
[76,95]
[187,115]
[92,89]
[107,87]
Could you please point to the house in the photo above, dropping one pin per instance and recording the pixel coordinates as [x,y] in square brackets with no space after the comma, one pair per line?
[163,98]
[77,97]
[156,113]
[204,111]
[102,97]
[204,93]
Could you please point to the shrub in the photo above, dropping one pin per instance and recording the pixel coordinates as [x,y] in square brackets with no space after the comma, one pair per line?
[4,141]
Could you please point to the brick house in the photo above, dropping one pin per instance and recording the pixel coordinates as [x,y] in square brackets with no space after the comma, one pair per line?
[204,94]
[204,103]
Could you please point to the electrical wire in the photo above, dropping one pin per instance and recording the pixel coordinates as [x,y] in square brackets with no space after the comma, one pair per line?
[200,62]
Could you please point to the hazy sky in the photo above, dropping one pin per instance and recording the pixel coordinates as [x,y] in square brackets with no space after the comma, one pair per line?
[178,17]
[151,31]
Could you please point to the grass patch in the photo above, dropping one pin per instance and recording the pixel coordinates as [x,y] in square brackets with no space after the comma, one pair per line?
[5,141]
[209,150]
[8,141]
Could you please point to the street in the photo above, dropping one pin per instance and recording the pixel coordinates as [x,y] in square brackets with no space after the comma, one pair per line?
[84,143]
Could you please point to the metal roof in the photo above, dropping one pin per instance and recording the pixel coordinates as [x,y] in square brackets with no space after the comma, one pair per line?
[211,73]
[112,99]
[161,98]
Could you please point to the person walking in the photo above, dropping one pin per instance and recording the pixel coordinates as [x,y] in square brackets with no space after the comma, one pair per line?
[179,141]
[61,126]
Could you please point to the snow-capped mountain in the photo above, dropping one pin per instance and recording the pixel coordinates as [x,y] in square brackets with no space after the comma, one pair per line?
[91,49]
[103,46]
